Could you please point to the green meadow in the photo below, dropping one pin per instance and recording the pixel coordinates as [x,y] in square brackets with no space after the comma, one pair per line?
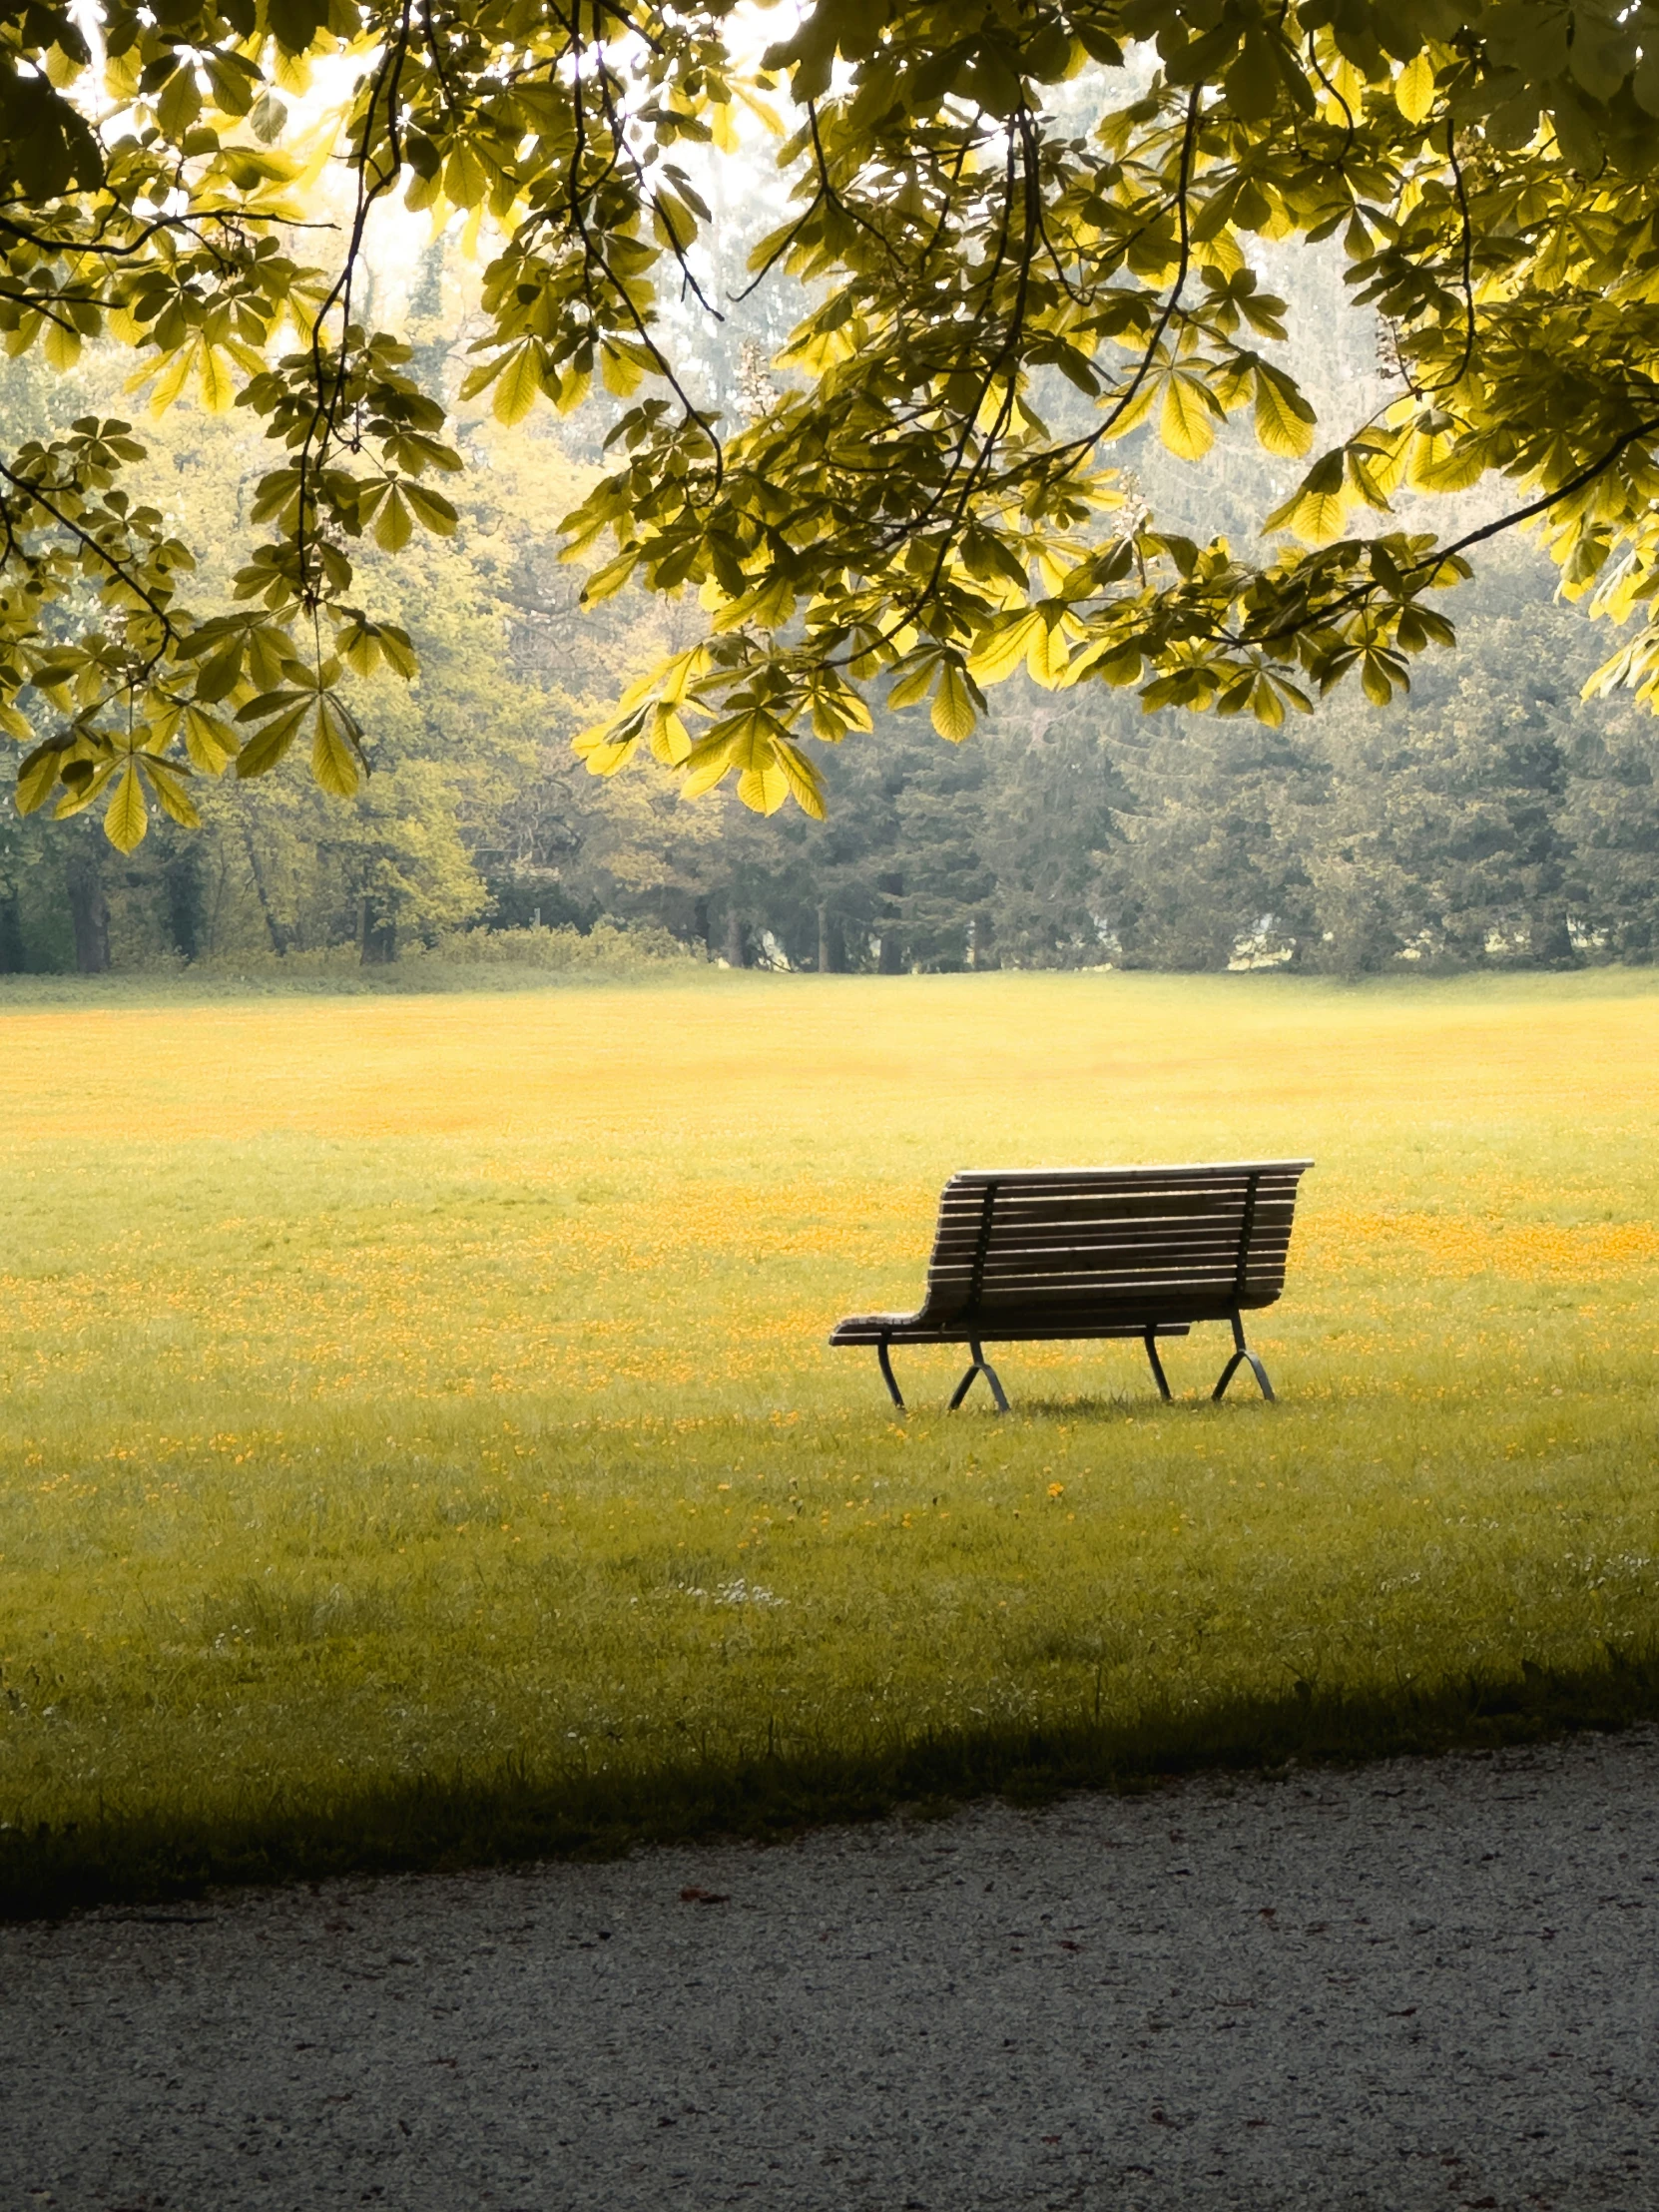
[419,1443]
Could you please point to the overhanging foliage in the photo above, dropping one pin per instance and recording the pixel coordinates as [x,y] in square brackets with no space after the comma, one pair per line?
[896,507]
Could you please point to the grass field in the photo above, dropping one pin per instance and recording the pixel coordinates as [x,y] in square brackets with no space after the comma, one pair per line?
[420,1442]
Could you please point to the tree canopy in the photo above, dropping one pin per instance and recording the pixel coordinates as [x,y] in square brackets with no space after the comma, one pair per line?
[917,492]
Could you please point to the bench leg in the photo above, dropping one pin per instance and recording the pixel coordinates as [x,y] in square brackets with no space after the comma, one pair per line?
[1242,1353]
[1158,1374]
[887,1374]
[981,1365]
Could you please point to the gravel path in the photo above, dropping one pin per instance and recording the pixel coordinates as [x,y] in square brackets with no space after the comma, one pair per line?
[1432,1983]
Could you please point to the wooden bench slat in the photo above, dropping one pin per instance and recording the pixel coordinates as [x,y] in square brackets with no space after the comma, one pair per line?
[1149,1292]
[1099,1237]
[1057,1228]
[1206,1171]
[1216,1260]
[1089,1186]
[1091,1237]
[1054,1327]
[1018,1243]
[1001,1260]
[1070,1259]
[1103,1206]
[1183,1199]
[1118,1281]
[857,1332]
[1060,1236]
[996,1335]
[1008,1215]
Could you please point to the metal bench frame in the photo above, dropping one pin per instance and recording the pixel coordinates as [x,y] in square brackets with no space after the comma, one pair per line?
[1080,1253]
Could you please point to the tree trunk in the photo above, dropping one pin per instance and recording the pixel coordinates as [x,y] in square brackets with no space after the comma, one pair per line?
[1552,938]
[737,939]
[89,910]
[11,934]
[182,879]
[828,944]
[273,928]
[377,939]
[892,957]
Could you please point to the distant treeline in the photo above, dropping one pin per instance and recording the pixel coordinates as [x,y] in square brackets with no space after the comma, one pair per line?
[1496,818]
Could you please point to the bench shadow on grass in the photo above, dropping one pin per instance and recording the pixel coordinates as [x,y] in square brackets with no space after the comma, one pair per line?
[1101,1407]
[1106,1406]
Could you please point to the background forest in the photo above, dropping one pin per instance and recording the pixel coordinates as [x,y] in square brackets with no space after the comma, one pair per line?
[1494,817]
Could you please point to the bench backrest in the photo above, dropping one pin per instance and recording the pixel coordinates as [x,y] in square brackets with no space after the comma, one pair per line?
[1062,1246]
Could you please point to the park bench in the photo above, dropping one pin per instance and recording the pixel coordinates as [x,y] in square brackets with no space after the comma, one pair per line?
[1025,1255]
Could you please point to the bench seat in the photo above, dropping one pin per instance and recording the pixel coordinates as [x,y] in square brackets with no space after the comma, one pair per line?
[870,1329]
[1031,1255]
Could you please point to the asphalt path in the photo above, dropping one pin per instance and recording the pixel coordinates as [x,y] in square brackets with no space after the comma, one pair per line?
[1429,1983]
